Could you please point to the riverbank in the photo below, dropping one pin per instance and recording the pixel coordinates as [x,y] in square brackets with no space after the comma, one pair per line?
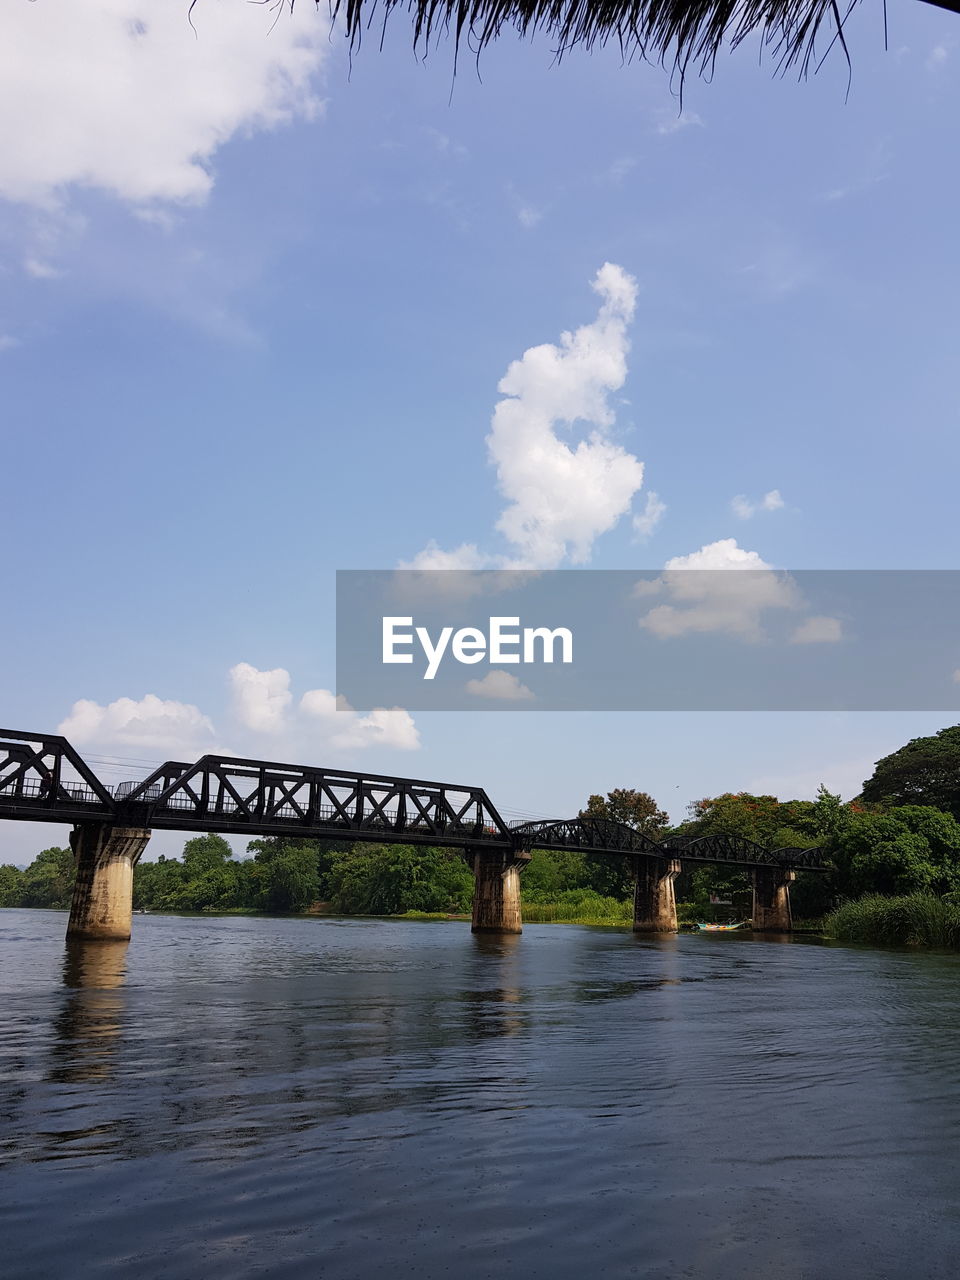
[913,920]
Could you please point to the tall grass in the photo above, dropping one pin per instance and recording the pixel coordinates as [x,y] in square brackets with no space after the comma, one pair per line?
[576,906]
[916,920]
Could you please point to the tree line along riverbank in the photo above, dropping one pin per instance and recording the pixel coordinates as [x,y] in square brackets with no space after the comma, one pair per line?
[895,850]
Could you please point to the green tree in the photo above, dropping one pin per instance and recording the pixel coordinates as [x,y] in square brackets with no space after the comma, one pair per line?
[550,872]
[11,885]
[827,814]
[884,858]
[289,879]
[388,880]
[612,877]
[205,853]
[160,885]
[757,818]
[907,849]
[634,809]
[48,881]
[924,772]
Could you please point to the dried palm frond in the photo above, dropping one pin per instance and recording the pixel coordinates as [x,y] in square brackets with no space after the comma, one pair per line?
[683,33]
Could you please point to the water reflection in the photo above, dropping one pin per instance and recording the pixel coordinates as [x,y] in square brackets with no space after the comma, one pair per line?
[87,1028]
[493,999]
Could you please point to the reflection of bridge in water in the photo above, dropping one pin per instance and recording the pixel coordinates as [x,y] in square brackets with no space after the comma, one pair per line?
[43,779]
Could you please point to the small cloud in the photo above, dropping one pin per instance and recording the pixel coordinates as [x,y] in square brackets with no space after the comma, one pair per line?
[348,730]
[668,123]
[743,508]
[528,216]
[465,557]
[937,57]
[164,220]
[501,685]
[8,342]
[616,173]
[645,523]
[817,630]
[445,144]
[718,600]
[647,587]
[260,698]
[40,270]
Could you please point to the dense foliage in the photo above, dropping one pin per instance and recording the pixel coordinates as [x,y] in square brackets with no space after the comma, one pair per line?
[913,920]
[613,877]
[926,771]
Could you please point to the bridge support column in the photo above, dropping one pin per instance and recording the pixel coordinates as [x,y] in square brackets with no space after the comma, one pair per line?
[496,890]
[771,899]
[654,902]
[105,855]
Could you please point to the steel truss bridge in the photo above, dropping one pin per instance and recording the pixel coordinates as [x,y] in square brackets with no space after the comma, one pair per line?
[44,779]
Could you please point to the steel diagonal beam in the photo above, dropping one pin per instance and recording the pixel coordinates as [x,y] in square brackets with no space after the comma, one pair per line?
[57,746]
[339,806]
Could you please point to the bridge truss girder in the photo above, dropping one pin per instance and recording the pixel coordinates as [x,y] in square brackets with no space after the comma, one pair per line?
[42,778]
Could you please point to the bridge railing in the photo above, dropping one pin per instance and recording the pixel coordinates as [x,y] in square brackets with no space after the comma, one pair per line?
[33,788]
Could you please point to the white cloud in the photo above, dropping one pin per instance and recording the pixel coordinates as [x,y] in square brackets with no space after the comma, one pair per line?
[561,496]
[528,216]
[668,123]
[818,630]
[703,597]
[263,705]
[466,556]
[743,508]
[937,57]
[347,730]
[260,698]
[724,554]
[653,512]
[445,144]
[125,96]
[501,685]
[39,269]
[263,702]
[616,173]
[151,722]
[8,342]
[709,601]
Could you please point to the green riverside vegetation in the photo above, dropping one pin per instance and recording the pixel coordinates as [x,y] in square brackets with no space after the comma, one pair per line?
[895,851]
[908,920]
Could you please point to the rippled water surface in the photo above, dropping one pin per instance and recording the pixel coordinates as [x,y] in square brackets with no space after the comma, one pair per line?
[345,1099]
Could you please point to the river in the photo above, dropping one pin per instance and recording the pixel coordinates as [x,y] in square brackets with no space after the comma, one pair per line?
[244,1096]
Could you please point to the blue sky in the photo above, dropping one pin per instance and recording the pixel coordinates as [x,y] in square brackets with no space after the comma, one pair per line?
[256,307]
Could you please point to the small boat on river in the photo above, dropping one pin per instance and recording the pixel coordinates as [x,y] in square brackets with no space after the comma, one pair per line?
[720,928]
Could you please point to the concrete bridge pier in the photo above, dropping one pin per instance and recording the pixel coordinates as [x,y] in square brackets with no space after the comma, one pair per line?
[654,900]
[771,899]
[105,856]
[496,890]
